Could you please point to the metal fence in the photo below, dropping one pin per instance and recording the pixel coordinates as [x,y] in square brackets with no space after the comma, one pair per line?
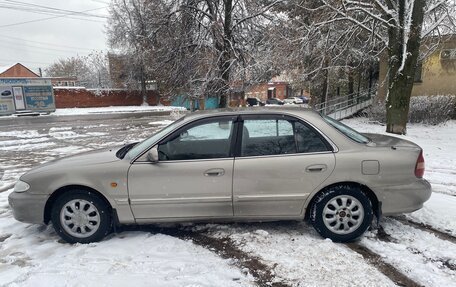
[345,106]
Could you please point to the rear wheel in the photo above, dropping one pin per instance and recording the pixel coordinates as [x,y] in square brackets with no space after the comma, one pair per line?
[80,216]
[341,213]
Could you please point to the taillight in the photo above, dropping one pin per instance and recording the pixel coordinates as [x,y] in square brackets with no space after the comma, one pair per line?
[419,168]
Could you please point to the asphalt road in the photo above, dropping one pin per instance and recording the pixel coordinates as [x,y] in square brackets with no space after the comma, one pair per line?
[26,142]
[95,117]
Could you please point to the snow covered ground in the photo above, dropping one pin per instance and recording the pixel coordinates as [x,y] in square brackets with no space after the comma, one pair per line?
[115,109]
[109,110]
[33,255]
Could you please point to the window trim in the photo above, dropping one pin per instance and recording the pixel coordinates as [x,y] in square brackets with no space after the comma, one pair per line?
[332,148]
[196,122]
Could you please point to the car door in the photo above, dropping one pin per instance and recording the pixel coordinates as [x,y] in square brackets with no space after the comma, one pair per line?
[280,160]
[193,177]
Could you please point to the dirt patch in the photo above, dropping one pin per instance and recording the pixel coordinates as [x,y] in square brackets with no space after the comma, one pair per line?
[387,269]
[425,227]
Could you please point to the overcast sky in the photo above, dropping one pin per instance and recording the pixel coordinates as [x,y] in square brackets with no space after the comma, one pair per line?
[40,43]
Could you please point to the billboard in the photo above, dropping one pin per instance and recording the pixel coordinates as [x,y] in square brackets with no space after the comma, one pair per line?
[39,98]
[6,100]
[26,94]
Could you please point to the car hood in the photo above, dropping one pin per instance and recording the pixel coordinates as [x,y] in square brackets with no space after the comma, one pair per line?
[390,141]
[90,158]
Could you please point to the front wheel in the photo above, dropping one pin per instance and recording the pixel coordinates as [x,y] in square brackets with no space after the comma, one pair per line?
[80,216]
[341,213]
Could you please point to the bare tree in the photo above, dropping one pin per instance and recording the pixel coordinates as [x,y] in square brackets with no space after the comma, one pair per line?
[194,47]
[91,71]
[398,25]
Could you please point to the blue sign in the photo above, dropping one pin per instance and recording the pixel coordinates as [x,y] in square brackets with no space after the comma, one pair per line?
[39,97]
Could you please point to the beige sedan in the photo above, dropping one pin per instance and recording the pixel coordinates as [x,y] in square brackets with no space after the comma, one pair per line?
[258,164]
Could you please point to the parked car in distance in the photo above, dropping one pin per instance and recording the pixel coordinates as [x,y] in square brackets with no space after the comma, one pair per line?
[260,164]
[6,93]
[293,100]
[274,101]
[305,100]
[254,102]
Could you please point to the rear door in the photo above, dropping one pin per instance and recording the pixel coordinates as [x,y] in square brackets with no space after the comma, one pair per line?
[280,160]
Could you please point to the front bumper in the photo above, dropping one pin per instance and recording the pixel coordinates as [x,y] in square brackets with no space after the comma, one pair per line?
[28,207]
[404,198]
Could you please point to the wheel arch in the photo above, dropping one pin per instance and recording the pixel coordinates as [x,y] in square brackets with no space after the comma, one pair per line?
[376,204]
[64,189]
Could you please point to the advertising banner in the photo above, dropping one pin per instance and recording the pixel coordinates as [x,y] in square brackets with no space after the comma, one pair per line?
[39,98]
[26,94]
[18,98]
[6,100]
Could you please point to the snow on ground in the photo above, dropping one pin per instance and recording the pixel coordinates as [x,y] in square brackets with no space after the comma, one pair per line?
[115,109]
[299,256]
[32,255]
[418,254]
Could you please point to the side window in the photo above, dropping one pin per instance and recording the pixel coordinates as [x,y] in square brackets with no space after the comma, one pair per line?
[267,137]
[204,141]
[307,139]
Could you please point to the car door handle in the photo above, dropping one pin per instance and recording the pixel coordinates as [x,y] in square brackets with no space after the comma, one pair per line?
[316,168]
[214,172]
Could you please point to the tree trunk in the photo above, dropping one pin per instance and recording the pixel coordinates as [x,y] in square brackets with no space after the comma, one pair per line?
[401,82]
[226,53]
[351,84]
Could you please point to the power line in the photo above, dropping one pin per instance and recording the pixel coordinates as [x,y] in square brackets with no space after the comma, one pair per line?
[44,19]
[23,61]
[14,46]
[45,43]
[81,13]
[44,12]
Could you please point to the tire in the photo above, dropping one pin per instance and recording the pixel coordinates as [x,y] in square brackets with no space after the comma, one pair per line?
[341,213]
[91,224]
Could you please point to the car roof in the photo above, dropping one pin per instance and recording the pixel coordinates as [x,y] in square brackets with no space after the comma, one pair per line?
[289,110]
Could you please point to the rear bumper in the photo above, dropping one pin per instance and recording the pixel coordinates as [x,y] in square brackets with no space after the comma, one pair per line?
[404,198]
[28,207]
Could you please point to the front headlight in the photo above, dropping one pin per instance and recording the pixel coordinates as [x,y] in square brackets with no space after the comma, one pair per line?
[21,186]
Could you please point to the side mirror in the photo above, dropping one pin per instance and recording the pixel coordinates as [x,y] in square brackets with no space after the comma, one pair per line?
[152,155]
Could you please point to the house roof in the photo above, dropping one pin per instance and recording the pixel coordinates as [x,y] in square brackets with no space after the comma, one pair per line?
[6,68]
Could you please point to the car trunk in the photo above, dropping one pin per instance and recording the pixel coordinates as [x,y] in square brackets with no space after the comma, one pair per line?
[390,141]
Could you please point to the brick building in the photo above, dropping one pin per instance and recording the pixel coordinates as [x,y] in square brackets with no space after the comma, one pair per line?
[264,91]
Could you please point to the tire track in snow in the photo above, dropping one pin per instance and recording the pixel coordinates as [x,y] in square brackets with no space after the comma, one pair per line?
[425,227]
[413,251]
[224,247]
[387,269]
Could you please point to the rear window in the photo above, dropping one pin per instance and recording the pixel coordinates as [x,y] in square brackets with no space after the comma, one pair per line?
[349,132]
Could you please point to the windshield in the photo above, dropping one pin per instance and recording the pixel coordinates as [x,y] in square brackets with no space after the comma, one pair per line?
[137,149]
[349,132]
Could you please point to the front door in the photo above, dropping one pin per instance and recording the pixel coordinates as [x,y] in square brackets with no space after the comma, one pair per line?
[281,161]
[193,178]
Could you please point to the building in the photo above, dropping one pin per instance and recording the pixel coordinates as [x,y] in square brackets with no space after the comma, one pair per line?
[269,90]
[435,75]
[63,81]
[17,71]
